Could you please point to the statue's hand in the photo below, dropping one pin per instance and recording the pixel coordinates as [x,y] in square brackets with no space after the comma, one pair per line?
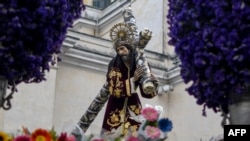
[139,72]
[155,80]
[146,34]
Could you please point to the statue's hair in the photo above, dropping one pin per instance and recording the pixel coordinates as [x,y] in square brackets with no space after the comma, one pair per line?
[117,61]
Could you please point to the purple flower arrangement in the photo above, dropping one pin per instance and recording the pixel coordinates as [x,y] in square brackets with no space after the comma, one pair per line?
[31,32]
[212,40]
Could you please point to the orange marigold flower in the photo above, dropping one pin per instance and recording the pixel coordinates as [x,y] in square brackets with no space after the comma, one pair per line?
[41,135]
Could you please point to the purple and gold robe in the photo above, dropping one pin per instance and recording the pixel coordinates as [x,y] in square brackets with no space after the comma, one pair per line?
[123,104]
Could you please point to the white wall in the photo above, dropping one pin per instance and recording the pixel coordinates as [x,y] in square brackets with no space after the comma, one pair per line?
[148,14]
[32,106]
[76,88]
[189,124]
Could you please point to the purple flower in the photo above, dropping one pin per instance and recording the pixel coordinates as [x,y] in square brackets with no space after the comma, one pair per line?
[211,40]
[31,32]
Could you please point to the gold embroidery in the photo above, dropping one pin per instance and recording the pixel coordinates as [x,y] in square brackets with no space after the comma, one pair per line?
[112,124]
[126,128]
[111,83]
[111,89]
[126,125]
[135,108]
[119,75]
[115,118]
[122,115]
[112,74]
[128,87]
[137,111]
[132,107]
[117,92]
[125,132]
[118,83]
[134,129]
[130,128]
[115,83]
[119,118]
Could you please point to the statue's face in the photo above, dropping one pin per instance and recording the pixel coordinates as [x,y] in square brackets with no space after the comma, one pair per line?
[123,52]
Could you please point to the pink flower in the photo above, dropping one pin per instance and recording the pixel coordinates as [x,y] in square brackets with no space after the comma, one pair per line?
[150,113]
[98,139]
[153,132]
[132,138]
[22,138]
[71,138]
[62,137]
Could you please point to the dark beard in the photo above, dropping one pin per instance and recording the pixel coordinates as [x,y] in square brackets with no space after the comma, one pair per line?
[125,58]
[118,62]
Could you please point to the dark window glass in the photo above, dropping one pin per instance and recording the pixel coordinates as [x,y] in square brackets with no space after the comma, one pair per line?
[101,4]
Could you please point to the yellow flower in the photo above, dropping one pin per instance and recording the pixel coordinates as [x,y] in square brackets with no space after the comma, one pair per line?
[4,137]
[41,135]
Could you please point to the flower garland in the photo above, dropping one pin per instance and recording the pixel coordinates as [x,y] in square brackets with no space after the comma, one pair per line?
[38,134]
[211,40]
[153,128]
[31,32]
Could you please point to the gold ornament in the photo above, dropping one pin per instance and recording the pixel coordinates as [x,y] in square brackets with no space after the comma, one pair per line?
[121,34]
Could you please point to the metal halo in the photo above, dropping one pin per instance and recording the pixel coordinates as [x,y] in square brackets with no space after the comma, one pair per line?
[122,31]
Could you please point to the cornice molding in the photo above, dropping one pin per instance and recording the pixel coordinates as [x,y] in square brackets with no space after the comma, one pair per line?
[86,51]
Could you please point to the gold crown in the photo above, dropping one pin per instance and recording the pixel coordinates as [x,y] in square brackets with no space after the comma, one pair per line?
[121,34]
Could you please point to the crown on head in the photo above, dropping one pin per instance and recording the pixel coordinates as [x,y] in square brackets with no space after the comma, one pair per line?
[121,34]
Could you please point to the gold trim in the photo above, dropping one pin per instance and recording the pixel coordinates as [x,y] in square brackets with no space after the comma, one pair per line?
[128,87]
[122,33]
